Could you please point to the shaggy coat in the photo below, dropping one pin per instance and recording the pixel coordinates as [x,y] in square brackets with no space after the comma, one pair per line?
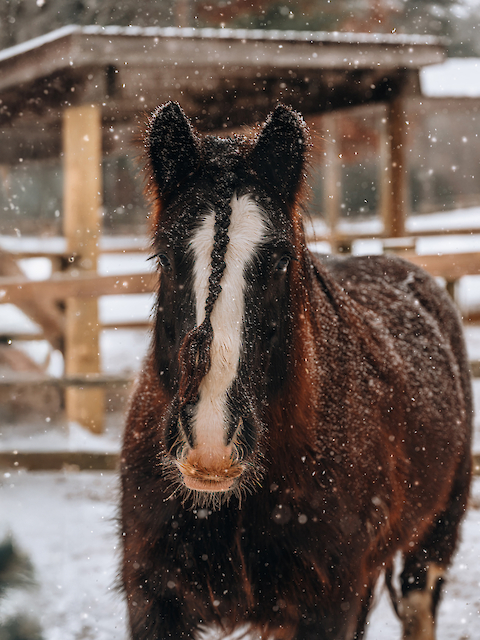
[298,420]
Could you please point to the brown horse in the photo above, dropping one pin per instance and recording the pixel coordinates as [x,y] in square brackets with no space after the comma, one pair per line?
[299,420]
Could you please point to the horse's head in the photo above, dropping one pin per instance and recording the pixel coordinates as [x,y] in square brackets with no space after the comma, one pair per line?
[228,240]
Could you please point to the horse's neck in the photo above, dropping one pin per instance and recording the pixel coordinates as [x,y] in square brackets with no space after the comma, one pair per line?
[321,323]
[315,330]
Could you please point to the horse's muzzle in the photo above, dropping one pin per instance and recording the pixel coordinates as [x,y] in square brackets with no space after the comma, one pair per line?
[210,470]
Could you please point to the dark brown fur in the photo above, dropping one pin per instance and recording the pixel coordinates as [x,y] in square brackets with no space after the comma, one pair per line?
[365,452]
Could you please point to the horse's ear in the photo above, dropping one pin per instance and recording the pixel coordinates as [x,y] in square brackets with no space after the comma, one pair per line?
[279,154]
[172,147]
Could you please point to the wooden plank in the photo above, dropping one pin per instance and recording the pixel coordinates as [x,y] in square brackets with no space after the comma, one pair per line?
[471,317]
[58,460]
[140,325]
[446,104]
[42,311]
[475,368]
[17,379]
[447,265]
[476,464]
[82,145]
[9,337]
[75,285]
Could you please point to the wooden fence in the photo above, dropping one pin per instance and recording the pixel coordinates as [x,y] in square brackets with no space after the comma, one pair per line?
[43,301]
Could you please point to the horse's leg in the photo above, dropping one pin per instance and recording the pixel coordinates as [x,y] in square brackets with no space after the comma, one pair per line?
[151,619]
[424,568]
[421,585]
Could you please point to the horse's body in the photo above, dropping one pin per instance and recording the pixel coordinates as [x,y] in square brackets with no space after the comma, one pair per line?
[298,421]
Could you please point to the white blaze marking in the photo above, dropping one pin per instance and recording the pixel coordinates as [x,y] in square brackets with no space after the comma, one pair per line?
[246,231]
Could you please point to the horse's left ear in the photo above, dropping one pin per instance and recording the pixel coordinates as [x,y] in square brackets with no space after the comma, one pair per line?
[279,154]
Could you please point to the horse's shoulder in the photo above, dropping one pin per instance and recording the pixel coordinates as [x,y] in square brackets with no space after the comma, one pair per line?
[370,269]
[373,278]
[385,284]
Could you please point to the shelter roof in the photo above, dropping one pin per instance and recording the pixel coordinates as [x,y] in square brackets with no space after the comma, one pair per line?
[221,77]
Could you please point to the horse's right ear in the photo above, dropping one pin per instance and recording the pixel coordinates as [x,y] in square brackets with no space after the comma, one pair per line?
[172,147]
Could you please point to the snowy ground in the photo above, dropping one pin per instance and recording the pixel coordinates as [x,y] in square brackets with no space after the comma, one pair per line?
[66,521]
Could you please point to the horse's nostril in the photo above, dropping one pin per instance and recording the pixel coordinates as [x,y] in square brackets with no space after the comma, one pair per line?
[185,428]
[271,331]
[189,410]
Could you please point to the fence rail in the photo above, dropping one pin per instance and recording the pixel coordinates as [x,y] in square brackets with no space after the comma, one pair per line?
[43,300]
[89,461]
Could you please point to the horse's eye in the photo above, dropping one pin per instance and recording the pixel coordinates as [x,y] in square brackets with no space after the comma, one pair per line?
[164,262]
[282,264]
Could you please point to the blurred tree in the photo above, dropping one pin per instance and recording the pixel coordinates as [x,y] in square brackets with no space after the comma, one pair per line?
[312,15]
[435,17]
[21,20]
[458,20]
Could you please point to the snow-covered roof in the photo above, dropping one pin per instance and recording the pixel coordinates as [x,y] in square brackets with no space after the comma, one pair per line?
[234,34]
[454,78]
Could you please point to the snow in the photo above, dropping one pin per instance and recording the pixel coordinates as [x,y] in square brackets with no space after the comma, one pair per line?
[460,219]
[208,33]
[56,244]
[66,523]
[13,320]
[47,436]
[454,78]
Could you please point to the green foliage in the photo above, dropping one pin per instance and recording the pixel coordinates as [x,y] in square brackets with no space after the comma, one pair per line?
[16,572]
[17,628]
[319,16]
[15,568]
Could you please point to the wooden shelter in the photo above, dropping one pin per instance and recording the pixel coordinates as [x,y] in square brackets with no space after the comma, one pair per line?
[80,91]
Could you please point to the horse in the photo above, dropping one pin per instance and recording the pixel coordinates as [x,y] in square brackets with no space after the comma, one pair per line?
[301,424]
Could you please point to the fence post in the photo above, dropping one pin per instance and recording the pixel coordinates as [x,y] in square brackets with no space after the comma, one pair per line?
[82,157]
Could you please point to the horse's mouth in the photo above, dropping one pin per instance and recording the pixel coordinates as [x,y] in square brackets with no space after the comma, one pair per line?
[199,478]
[210,468]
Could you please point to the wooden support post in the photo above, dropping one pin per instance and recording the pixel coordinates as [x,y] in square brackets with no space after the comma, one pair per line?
[394,194]
[183,13]
[82,148]
[333,180]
